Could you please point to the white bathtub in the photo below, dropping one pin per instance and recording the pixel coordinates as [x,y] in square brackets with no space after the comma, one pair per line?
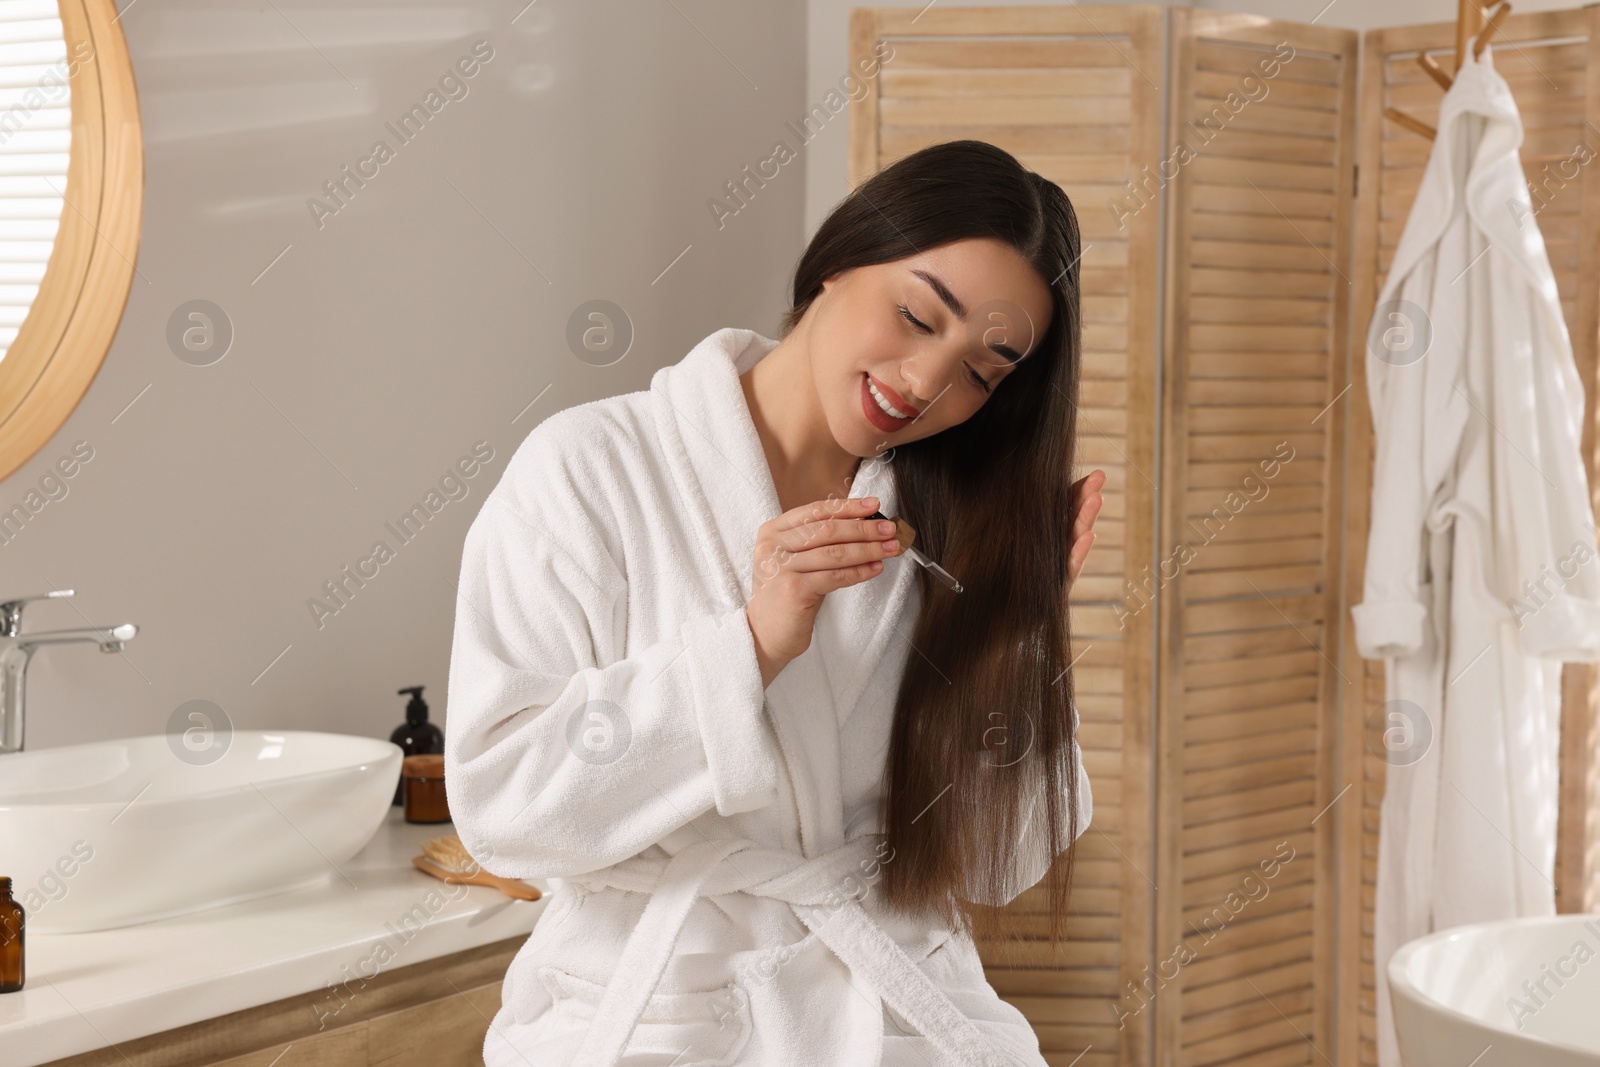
[1513,993]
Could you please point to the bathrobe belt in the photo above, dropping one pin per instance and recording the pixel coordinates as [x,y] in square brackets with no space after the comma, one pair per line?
[711,868]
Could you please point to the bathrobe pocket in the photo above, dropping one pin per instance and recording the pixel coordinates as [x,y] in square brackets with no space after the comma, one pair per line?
[703,1028]
[521,999]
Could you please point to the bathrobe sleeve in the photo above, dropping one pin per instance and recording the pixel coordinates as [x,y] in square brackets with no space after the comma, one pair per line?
[1035,853]
[1389,620]
[1416,426]
[564,756]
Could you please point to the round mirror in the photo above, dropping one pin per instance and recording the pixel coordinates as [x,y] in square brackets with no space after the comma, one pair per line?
[71,193]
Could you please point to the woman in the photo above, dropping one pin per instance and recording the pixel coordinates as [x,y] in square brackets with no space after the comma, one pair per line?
[758,754]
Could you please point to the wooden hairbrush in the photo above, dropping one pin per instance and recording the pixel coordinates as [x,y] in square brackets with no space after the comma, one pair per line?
[447,859]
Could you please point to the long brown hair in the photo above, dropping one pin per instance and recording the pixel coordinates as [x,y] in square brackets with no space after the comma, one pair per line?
[983,725]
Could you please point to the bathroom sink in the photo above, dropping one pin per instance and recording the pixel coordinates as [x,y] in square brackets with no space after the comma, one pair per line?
[1506,993]
[115,833]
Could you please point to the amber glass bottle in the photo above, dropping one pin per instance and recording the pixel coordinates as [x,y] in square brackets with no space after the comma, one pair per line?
[423,779]
[11,916]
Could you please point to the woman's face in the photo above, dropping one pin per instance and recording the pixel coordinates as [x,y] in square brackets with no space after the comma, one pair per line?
[978,306]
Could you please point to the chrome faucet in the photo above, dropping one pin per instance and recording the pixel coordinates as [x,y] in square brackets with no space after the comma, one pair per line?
[17,648]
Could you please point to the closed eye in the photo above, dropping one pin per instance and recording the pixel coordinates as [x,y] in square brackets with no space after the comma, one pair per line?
[977,378]
[906,312]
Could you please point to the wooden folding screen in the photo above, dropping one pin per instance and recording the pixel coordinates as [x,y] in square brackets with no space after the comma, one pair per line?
[1073,93]
[1552,63]
[1222,912]
[1262,123]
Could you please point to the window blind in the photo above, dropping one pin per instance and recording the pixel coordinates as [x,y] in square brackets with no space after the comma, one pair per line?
[35,145]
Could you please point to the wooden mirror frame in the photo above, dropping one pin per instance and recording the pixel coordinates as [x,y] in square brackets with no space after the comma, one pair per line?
[69,328]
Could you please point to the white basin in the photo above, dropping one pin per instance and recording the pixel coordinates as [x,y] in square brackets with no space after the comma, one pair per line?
[115,833]
[1512,993]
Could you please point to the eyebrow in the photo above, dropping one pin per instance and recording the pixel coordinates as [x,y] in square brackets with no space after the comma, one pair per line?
[942,291]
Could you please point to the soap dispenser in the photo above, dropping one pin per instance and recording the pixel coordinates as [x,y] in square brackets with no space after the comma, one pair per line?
[418,737]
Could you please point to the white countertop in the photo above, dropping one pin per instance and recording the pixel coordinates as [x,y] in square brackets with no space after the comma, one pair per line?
[91,990]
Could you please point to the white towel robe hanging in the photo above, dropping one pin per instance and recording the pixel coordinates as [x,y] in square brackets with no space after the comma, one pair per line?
[1479,487]
[710,881]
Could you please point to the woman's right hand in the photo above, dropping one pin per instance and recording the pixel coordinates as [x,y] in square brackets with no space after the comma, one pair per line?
[801,556]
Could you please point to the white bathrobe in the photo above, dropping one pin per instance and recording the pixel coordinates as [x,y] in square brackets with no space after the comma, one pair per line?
[711,846]
[1481,571]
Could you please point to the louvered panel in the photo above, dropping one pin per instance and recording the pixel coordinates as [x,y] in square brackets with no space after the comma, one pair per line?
[1550,63]
[1070,91]
[1257,253]
[35,148]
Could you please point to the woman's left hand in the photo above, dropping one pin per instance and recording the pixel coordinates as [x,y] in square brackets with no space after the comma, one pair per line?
[1086,504]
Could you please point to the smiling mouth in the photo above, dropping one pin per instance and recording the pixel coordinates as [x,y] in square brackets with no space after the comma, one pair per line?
[896,408]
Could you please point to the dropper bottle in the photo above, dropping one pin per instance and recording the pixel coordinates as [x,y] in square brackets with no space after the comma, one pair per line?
[11,922]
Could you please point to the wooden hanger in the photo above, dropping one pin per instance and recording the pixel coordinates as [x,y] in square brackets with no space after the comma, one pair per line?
[1470,23]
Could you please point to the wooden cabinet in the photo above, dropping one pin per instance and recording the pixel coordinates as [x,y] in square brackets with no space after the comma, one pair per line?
[432,1014]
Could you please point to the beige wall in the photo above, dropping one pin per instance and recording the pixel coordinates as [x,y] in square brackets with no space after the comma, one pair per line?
[375,351]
